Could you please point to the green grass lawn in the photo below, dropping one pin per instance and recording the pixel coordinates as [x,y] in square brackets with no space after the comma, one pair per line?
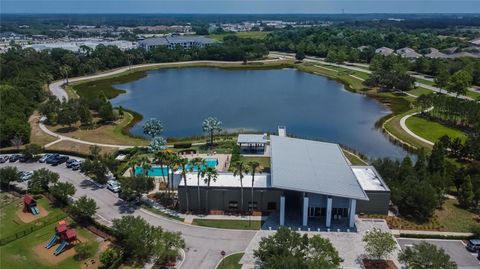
[432,131]
[11,224]
[20,253]
[229,224]
[263,161]
[231,262]
[419,91]
[355,160]
[454,218]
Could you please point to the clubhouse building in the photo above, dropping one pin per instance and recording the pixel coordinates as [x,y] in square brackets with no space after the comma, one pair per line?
[310,183]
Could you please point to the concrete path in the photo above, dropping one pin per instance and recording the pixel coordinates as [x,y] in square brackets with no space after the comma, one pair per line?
[408,131]
[398,232]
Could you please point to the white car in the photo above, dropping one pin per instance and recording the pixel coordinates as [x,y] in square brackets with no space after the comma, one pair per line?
[113,185]
[25,176]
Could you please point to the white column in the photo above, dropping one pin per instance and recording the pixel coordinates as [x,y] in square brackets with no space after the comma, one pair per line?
[305,210]
[329,212]
[282,210]
[353,208]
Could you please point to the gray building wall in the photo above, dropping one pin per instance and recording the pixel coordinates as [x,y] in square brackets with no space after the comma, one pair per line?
[222,198]
[378,203]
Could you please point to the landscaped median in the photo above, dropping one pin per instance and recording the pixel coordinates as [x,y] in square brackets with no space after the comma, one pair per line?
[231,261]
[229,224]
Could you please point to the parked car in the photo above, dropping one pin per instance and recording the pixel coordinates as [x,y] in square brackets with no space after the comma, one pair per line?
[70,162]
[3,159]
[25,175]
[113,185]
[45,157]
[52,158]
[76,166]
[23,158]
[13,158]
[473,245]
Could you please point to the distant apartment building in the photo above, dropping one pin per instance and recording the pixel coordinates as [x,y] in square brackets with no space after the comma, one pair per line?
[171,42]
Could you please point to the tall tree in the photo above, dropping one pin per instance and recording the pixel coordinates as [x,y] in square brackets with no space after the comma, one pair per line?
[200,165]
[61,191]
[426,256]
[153,127]
[42,179]
[459,82]
[211,125]
[289,249]
[239,168]
[210,175]
[84,208]
[254,168]
[158,143]
[183,163]
[465,193]
[379,244]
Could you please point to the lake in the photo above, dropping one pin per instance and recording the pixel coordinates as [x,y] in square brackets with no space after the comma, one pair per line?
[311,106]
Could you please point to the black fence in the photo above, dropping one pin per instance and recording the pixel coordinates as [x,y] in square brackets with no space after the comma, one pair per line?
[32,227]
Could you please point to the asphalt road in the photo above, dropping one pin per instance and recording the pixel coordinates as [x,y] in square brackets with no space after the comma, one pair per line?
[455,248]
[203,245]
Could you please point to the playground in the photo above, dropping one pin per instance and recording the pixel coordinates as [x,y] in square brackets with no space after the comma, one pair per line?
[14,219]
[31,252]
[31,210]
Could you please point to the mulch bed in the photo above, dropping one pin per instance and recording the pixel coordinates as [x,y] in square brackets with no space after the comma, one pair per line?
[379,264]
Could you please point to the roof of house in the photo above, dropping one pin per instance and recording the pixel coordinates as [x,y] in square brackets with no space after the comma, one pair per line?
[369,178]
[228,180]
[384,51]
[408,53]
[435,54]
[312,166]
[252,138]
[164,41]
[475,41]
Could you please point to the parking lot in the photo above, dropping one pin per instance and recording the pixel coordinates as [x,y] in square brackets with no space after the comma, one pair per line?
[455,248]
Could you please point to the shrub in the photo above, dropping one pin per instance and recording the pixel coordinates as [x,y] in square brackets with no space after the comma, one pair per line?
[182,145]
[83,251]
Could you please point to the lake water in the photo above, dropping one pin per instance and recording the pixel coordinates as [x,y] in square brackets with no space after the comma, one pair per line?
[310,106]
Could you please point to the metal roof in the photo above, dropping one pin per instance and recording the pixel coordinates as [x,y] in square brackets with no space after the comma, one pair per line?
[228,180]
[312,166]
[369,178]
[252,139]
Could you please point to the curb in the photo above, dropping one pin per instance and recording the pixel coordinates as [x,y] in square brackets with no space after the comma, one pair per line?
[233,253]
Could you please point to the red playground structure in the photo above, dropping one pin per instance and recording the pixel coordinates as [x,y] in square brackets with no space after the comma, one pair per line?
[30,205]
[64,235]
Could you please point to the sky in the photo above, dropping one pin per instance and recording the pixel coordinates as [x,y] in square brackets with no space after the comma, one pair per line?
[239,6]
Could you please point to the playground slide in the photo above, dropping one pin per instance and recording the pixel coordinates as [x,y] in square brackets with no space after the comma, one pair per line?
[60,248]
[52,241]
[34,210]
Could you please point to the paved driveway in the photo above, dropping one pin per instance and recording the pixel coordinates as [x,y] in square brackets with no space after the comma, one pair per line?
[454,248]
[203,245]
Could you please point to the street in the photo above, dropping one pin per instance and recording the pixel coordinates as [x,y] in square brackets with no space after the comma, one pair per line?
[203,245]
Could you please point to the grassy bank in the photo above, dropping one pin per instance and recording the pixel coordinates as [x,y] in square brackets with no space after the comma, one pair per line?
[432,131]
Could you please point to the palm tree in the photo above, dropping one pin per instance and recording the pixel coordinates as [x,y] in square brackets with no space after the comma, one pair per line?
[173,161]
[239,170]
[199,163]
[254,168]
[132,163]
[210,174]
[160,159]
[183,162]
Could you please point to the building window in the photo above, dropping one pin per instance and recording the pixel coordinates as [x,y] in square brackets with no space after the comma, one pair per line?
[233,205]
[272,206]
[250,205]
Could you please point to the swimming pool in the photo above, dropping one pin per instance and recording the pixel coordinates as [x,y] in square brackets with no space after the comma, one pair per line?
[155,171]
[210,162]
[158,171]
